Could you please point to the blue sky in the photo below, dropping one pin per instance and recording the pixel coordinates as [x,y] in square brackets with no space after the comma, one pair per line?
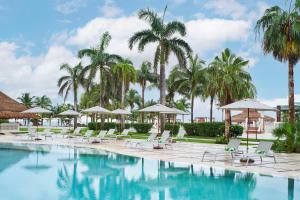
[37,36]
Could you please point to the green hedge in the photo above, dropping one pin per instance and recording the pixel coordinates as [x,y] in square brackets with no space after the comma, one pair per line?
[173,128]
[142,127]
[97,126]
[211,129]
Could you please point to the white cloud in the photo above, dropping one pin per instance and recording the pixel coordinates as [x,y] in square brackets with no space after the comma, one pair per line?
[37,75]
[223,8]
[202,34]
[110,9]
[70,6]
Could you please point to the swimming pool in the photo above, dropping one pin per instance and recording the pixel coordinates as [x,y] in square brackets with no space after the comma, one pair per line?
[35,172]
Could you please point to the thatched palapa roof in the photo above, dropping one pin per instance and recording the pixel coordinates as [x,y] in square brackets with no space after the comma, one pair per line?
[10,108]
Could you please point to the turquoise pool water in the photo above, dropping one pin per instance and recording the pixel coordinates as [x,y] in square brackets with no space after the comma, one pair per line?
[39,172]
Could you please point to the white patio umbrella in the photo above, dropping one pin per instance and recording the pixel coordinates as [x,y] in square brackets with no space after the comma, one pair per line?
[97,110]
[39,111]
[70,113]
[121,112]
[249,104]
[157,108]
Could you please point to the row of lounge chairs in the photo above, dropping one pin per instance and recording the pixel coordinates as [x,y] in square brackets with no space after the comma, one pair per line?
[165,140]
[263,150]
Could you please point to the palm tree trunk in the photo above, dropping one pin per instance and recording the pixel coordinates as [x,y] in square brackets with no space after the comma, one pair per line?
[211,108]
[122,102]
[143,100]
[75,106]
[162,85]
[291,92]
[227,123]
[101,96]
[192,107]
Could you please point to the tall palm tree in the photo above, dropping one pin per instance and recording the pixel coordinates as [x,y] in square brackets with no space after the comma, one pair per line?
[145,75]
[281,37]
[126,73]
[133,98]
[101,62]
[190,80]
[234,82]
[164,35]
[71,82]
[43,102]
[210,90]
[26,99]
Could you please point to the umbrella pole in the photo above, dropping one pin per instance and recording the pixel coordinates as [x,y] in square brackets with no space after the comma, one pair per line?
[248,129]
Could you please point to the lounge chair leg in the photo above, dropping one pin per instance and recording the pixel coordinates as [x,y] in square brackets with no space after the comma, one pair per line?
[275,161]
[203,156]
[261,159]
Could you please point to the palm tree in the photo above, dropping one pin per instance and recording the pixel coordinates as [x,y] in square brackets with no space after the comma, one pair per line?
[165,36]
[210,90]
[145,75]
[190,81]
[71,82]
[43,102]
[126,74]
[281,30]
[182,104]
[26,99]
[101,62]
[133,98]
[233,81]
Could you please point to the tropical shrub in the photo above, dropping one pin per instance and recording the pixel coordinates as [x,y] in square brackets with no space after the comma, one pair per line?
[173,128]
[97,125]
[236,130]
[288,137]
[221,140]
[210,129]
[142,127]
[3,121]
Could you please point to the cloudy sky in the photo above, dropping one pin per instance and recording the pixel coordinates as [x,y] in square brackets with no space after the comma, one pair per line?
[38,36]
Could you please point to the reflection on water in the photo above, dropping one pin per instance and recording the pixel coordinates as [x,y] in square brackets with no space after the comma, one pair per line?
[76,173]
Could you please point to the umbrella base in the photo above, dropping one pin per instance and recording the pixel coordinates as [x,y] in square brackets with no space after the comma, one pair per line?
[246,160]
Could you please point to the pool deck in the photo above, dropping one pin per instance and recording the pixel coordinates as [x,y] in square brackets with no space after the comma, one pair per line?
[288,165]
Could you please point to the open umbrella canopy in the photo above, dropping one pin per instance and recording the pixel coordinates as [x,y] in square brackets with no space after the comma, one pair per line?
[177,112]
[37,110]
[248,104]
[97,109]
[69,113]
[157,108]
[121,112]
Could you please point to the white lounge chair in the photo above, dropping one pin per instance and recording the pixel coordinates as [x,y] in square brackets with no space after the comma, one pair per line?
[263,150]
[88,134]
[165,139]
[232,148]
[110,133]
[47,133]
[123,134]
[64,132]
[149,140]
[180,135]
[77,131]
[101,135]
[32,133]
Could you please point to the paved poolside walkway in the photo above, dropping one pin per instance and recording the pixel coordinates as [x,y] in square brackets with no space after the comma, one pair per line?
[288,165]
